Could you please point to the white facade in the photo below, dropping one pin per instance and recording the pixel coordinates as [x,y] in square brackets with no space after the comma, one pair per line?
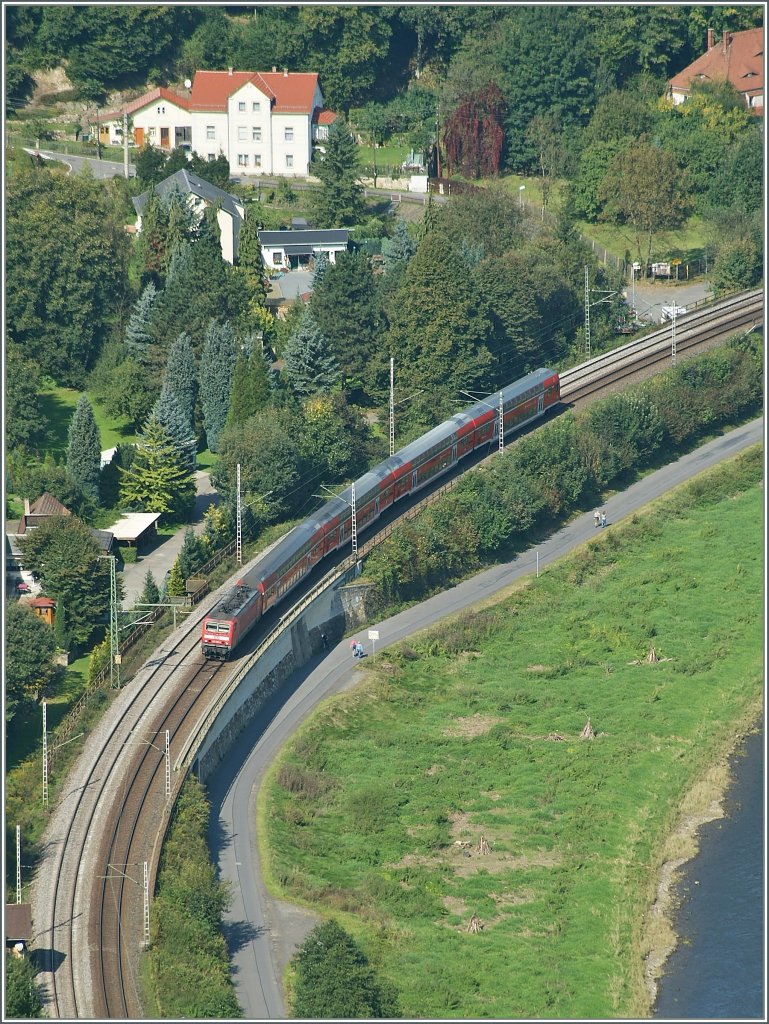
[209,133]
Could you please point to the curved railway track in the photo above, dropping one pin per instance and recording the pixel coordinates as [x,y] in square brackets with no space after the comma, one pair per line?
[88,902]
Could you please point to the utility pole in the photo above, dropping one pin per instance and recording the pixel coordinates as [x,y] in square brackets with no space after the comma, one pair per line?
[98,136]
[587,312]
[168,765]
[238,526]
[18,864]
[45,754]
[392,406]
[114,638]
[125,144]
[146,888]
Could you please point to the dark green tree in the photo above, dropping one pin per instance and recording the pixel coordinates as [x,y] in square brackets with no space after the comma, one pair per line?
[250,261]
[151,592]
[152,244]
[320,266]
[334,979]
[345,309]
[169,415]
[30,647]
[251,389]
[158,480]
[216,367]
[84,449]
[398,249]
[336,440]
[180,377]
[150,164]
[22,995]
[192,554]
[64,555]
[737,265]
[216,171]
[32,478]
[139,339]
[309,362]
[339,200]
[66,270]
[22,404]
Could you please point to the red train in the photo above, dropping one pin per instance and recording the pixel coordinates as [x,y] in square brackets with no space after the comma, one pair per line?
[410,469]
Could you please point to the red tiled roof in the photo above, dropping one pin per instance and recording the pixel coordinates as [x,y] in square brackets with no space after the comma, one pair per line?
[291,93]
[741,62]
[144,100]
[42,602]
[324,116]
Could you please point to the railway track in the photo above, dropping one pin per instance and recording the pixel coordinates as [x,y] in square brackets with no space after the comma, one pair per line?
[89,907]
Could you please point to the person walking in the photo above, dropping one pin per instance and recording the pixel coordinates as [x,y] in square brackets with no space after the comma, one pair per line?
[597,518]
[603,518]
[354,648]
[324,641]
[359,650]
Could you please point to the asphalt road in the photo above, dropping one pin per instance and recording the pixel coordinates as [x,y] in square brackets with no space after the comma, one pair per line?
[99,168]
[262,932]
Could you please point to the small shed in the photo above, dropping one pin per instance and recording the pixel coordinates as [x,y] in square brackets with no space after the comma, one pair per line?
[18,926]
[135,528]
[45,608]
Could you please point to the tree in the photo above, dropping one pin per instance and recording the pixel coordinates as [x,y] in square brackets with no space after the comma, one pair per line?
[250,261]
[176,583]
[398,249]
[158,480]
[22,995]
[169,415]
[374,122]
[335,981]
[543,134]
[335,440]
[66,270]
[321,263]
[339,200]
[152,244]
[216,366]
[309,363]
[251,389]
[22,404]
[151,592]
[150,165]
[192,554]
[473,134]
[180,377]
[30,648]
[643,187]
[84,449]
[344,307]
[737,265]
[32,478]
[139,338]
[64,555]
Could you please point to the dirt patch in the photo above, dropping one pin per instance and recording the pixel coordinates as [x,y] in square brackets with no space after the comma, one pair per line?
[491,795]
[454,906]
[433,769]
[512,899]
[495,863]
[539,668]
[460,825]
[475,725]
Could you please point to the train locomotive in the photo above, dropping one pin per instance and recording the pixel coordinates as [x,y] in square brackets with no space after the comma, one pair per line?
[407,471]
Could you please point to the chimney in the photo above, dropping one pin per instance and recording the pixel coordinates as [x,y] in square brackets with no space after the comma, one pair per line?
[26,506]
[711,38]
[229,71]
[274,70]
[725,41]
[285,72]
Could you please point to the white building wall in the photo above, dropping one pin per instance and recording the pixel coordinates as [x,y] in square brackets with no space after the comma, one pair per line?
[161,113]
[249,131]
[201,143]
[291,145]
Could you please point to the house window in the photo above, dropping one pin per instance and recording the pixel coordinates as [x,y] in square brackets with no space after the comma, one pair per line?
[242,106]
[210,131]
[257,160]
[242,134]
[255,108]
[289,160]
[256,134]
[211,157]
[288,135]
[242,159]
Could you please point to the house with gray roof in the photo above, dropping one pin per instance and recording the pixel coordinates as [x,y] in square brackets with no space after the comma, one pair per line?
[293,249]
[199,194]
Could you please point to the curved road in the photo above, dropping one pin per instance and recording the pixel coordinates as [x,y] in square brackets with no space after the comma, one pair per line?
[262,932]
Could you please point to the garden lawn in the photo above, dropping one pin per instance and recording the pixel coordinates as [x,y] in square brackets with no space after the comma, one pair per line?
[473,729]
[58,405]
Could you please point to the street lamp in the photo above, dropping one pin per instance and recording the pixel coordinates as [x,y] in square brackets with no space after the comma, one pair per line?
[520,195]
[500,408]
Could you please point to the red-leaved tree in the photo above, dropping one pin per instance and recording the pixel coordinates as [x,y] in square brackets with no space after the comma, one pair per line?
[473,135]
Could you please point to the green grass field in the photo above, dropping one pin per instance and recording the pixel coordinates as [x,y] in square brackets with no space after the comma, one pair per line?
[472,729]
[58,405]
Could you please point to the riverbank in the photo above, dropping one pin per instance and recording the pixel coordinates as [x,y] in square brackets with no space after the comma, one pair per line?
[703,802]
[650,640]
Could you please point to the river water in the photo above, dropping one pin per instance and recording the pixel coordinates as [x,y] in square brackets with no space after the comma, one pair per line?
[717,969]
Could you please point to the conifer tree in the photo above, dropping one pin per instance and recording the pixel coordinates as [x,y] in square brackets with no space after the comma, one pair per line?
[340,199]
[151,592]
[319,269]
[250,261]
[216,367]
[139,337]
[153,238]
[157,479]
[170,416]
[84,449]
[181,378]
[344,308]
[251,389]
[181,224]
[309,363]
[176,583]
[400,248]
[191,555]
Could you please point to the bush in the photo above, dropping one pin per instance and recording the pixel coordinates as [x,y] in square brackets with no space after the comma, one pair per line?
[129,555]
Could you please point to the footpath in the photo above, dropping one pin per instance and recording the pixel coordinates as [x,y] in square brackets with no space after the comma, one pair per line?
[165,551]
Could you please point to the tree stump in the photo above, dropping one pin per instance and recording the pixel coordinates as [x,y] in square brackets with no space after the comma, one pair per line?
[652,656]
[483,847]
[474,925]
[588,733]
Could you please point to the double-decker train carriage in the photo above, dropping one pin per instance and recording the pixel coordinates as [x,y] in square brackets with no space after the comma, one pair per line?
[410,469]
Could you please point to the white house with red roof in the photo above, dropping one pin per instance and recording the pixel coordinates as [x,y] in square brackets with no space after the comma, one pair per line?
[737,57]
[263,122]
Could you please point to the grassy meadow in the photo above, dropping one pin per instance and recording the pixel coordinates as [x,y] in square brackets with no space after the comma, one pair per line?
[375,812]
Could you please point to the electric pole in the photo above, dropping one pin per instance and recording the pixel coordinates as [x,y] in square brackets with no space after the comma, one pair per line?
[392,406]
[587,312]
[125,144]
[18,864]
[45,754]
[146,906]
[238,522]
